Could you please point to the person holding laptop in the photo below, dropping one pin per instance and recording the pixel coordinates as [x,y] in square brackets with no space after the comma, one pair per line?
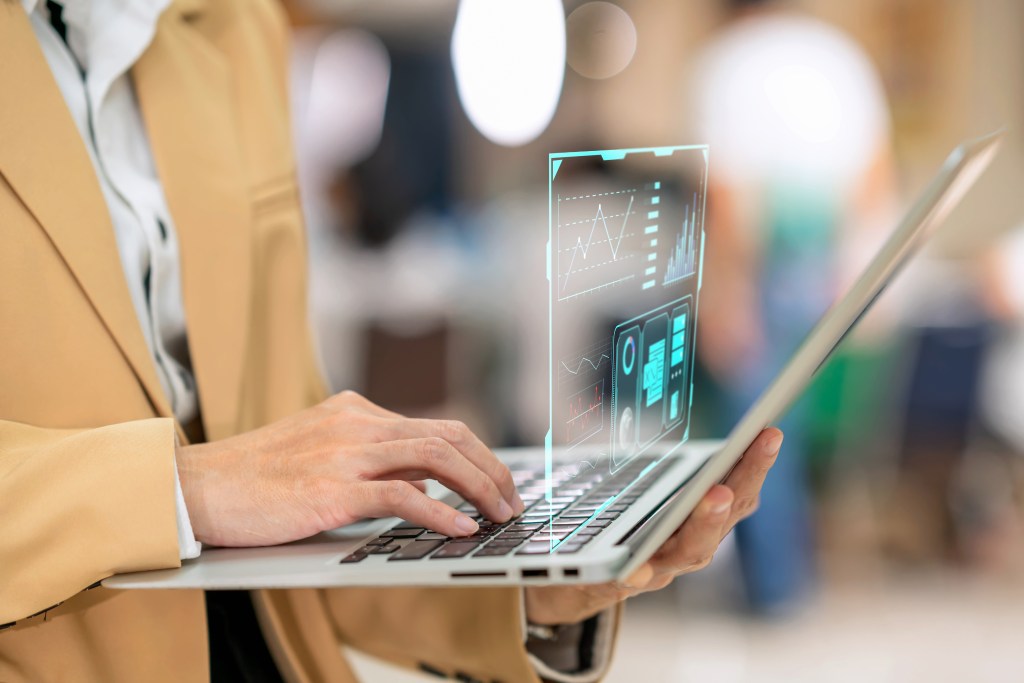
[158,388]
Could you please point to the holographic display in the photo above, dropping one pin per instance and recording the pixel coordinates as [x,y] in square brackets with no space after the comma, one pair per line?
[625,250]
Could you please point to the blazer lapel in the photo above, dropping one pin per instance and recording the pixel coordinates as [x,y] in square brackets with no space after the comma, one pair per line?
[185,92]
[43,159]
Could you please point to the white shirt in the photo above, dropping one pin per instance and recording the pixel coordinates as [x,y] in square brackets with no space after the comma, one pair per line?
[105,39]
[787,98]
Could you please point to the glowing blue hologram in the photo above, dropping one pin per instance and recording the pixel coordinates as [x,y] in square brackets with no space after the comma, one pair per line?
[586,413]
[629,355]
[624,267]
[578,256]
[654,372]
[682,262]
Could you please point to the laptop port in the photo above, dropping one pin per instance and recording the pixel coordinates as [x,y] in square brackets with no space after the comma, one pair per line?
[567,573]
[478,575]
[535,573]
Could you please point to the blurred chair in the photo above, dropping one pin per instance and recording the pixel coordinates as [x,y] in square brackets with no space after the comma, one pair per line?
[407,370]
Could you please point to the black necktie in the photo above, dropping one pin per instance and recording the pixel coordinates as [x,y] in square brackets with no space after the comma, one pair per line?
[57,19]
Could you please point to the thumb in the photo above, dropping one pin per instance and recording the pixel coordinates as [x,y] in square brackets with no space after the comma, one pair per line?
[640,578]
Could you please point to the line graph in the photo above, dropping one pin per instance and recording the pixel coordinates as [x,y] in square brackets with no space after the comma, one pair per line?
[576,469]
[592,243]
[585,413]
[587,362]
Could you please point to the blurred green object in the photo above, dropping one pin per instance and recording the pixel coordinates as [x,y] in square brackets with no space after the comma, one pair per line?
[849,400]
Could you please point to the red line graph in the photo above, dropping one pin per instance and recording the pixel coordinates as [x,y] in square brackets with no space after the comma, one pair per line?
[585,414]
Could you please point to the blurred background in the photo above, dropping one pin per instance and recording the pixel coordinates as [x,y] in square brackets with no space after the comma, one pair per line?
[888,543]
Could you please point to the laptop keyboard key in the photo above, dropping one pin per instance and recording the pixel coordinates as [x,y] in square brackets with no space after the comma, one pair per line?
[569,548]
[357,556]
[492,550]
[416,550]
[384,549]
[455,550]
[535,549]
[510,533]
[403,533]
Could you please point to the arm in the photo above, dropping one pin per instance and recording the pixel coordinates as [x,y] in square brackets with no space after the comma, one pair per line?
[120,478]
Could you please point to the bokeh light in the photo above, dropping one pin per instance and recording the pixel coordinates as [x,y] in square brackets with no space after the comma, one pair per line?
[509,61]
[601,40]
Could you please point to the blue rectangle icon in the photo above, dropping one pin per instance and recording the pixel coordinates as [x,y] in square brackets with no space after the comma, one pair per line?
[679,324]
[654,372]
[652,214]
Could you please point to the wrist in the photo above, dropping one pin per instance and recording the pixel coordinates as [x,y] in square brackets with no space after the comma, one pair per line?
[559,605]
[189,477]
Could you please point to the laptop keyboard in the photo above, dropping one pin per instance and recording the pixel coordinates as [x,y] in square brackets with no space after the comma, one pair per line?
[580,509]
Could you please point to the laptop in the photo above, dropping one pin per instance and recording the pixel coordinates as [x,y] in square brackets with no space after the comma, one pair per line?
[617,474]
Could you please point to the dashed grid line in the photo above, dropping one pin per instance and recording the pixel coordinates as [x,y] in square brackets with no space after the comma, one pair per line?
[599,194]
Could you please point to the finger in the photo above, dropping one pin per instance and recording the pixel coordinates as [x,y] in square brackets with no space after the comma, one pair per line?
[397,498]
[466,442]
[748,476]
[419,484]
[435,458]
[640,578]
[693,546]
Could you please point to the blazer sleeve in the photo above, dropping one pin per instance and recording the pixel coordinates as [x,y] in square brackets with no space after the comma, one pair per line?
[77,506]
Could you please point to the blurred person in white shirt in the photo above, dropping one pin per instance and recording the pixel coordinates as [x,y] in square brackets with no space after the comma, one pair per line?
[798,126]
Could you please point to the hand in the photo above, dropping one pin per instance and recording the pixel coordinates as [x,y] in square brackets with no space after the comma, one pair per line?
[690,548]
[343,460]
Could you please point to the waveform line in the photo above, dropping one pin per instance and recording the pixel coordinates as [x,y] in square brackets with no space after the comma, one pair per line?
[574,472]
[588,362]
[579,246]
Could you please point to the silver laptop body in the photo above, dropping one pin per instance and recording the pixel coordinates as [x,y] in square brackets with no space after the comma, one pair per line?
[582,525]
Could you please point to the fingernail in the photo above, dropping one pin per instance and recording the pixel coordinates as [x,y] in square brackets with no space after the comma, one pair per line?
[775,444]
[466,525]
[721,508]
[519,504]
[504,510]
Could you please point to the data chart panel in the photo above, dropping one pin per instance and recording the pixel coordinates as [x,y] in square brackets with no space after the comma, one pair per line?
[625,252]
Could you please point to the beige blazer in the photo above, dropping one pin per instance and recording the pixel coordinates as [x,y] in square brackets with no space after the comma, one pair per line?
[86,435]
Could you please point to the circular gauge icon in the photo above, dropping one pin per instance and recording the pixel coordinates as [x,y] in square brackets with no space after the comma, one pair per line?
[628,355]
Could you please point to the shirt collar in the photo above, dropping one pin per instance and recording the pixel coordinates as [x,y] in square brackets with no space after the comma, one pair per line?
[183,7]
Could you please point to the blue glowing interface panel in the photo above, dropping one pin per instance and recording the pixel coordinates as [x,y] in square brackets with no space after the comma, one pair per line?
[625,251]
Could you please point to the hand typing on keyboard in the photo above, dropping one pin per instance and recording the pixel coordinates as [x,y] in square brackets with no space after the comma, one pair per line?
[333,464]
[691,548]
